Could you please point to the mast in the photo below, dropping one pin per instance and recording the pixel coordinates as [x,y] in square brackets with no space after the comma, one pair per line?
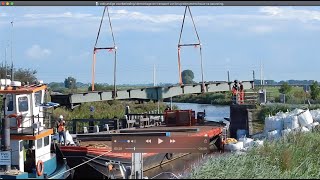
[12,73]
[154,75]
[5,66]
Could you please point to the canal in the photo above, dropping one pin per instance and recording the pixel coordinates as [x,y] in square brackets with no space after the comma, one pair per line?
[213,112]
[182,166]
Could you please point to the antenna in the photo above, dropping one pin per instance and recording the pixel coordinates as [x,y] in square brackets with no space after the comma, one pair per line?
[154,75]
[261,72]
[5,62]
[12,73]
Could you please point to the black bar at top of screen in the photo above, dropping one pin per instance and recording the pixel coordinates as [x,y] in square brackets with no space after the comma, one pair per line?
[166,3]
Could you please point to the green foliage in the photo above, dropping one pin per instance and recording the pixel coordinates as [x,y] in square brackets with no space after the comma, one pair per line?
[187,76]
[293,157]
[106,109]
[70,83]
[100,87]
[285,88]
[21,74]
[207,98]
[315,91]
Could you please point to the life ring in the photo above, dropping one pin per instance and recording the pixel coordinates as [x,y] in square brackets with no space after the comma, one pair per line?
[40,168]
[18,120]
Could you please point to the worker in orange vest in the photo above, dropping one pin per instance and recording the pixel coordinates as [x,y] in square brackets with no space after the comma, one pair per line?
[62,130]
[241,93]
[235,90]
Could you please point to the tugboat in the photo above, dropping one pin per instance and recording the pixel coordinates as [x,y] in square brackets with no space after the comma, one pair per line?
[27,151]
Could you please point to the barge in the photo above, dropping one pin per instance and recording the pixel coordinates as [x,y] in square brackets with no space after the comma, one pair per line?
[93,155]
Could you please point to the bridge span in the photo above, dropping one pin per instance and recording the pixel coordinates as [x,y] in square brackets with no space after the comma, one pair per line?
[149,93]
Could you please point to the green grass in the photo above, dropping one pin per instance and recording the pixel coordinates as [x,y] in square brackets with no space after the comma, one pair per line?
[296,156]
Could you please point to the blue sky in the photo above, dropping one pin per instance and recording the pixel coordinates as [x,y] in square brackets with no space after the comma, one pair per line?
[58,42]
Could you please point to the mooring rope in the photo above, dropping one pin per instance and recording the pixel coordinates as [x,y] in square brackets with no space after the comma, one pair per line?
[79,165]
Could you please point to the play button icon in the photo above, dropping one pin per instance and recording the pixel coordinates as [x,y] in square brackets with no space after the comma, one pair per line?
[160,141]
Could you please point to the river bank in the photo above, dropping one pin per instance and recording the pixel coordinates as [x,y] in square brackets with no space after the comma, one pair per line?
[207,98]
[295,156]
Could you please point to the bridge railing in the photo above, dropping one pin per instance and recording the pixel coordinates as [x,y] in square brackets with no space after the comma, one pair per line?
[246,98]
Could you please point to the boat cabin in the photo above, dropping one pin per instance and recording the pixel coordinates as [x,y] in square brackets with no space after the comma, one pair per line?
[30,139]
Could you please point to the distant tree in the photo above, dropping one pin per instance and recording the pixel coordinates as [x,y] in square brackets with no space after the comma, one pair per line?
[315,91]
[70,83]
[187,76]
[285,88]
[23,75]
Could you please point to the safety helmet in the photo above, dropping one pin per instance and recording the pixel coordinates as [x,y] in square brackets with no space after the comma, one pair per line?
[60,117]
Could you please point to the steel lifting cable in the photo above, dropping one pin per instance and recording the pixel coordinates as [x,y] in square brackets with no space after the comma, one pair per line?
[110,48]
[79,165]
[94,51]
[115,57]
[195,44]
[104,10]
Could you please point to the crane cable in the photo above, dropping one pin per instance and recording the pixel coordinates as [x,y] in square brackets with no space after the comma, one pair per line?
[79,165]
[115,57]
[110,48]
[104,10]
[179,45]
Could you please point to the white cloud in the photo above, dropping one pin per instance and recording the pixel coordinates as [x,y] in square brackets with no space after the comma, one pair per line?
[36,52]
[291,14]
[79,24]
[59,15]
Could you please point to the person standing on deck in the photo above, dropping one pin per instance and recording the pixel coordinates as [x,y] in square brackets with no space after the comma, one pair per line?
[62,130]
[235,89]
[241,93]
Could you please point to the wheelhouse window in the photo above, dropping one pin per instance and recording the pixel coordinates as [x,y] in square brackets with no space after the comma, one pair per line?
[37,97]
[39,143]
[46,141]
[9,102]
[23,104]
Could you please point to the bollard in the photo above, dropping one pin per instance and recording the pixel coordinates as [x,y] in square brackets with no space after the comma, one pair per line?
[96,128]
[85,130]
[106,126]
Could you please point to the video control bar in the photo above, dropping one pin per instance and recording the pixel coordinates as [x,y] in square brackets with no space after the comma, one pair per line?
[157,144]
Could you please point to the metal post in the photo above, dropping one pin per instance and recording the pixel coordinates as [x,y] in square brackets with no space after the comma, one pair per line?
[12,78]
[202,89]
[6,73]
[93,69]
[254,78]
[158,106]
[6,133]
[170,103]
[154,75]
[179,66]
[229,81]
[137,166]
[114,73]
